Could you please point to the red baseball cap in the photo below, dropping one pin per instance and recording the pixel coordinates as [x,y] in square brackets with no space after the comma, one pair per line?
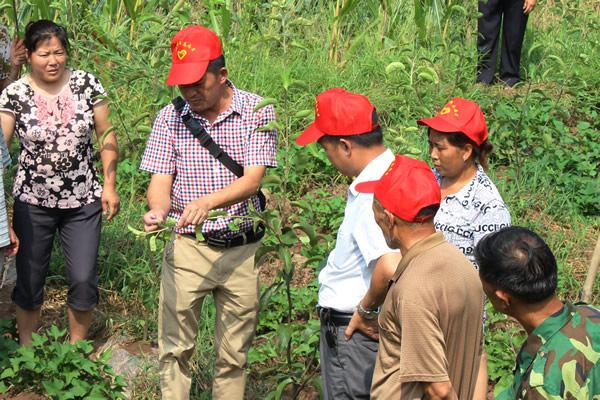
[339,113]
[192,49]
[405,188]
[460,115]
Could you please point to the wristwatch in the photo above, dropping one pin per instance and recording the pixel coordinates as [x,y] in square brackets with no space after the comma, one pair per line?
[366,314]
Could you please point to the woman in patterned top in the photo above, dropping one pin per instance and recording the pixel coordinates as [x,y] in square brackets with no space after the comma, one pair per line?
[54,111]
[471,206]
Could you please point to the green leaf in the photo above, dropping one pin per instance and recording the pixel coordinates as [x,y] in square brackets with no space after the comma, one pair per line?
[430,74]
[394,67]
[303,204]
[299,84]
[284,336]
[217,213]
[135,231]
[420,19]
[106,133]
[235,224]
[270,180]
[558,60]
[306,228]
[288,237]
[460,9]
[547,139]
[285,77]
[265,102]
[281,387]
[55,333]
[270,126]
[171,222]
[261,252]
[533,48]
[177,6]
[288,265]
[199,235]
[53,388]
[152,241]
[44,9]
[305,113]
[7,373]
[266,295]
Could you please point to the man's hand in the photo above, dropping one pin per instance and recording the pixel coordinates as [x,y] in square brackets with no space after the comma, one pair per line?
[194,213]
[17,52]
[528,6]
[12,249]
[153,219]
[110,203]
[369,327]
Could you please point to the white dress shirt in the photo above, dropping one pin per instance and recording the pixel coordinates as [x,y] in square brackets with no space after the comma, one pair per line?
[347,276]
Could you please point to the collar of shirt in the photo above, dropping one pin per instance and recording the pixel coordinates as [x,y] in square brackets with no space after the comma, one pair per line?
[466,191]
[417,249]
[540,336]
[372,171]
[236,106]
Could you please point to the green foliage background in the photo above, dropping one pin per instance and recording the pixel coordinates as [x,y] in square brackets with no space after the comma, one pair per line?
[409,58]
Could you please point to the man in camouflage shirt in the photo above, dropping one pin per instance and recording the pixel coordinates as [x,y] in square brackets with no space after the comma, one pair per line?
[559,359]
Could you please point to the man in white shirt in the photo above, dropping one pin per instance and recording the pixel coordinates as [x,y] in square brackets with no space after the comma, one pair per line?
[354,281]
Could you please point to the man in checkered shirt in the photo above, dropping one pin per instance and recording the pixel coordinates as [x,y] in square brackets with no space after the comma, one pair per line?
[187,183]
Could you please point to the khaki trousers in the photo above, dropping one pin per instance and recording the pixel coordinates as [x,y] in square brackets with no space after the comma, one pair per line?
[190,271]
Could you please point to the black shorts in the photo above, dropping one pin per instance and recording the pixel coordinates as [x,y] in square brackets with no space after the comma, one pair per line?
[79,230]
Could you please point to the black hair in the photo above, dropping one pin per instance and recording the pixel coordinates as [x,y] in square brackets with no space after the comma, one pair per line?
[480,152]
[214,66]
[42,30]
[428,211]
[518,260]
[367,139]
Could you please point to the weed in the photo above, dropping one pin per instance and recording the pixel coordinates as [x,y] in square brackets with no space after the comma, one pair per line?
[60,370]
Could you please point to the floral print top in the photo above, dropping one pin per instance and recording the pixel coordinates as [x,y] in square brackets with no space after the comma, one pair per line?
[56,159]
[5,43]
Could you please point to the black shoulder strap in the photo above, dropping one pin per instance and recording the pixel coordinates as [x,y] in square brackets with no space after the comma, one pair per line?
[206,140]
[209,144]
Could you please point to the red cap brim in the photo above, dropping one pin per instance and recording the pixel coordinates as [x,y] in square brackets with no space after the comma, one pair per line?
[438,124]
[311,134]
[186,73]
[367,187]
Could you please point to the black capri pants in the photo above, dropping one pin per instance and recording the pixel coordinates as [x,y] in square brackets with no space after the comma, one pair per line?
[79,230]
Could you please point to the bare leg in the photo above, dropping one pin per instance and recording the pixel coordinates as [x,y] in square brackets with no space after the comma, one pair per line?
[481,386]
[79,324]
[27,323]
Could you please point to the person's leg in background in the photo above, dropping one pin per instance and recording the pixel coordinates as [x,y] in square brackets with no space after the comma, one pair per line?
[513,33]
[488,26]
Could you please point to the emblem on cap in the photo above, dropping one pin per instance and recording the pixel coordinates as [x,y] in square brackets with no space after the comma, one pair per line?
[449,108]
[390,168]
[182,49]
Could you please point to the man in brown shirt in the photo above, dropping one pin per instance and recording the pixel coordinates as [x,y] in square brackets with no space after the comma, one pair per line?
[430,333]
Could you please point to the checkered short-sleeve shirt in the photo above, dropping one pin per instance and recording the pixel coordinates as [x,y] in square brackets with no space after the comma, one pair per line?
[172,149]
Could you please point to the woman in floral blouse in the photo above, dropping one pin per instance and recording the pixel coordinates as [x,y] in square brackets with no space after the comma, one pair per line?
[54,111]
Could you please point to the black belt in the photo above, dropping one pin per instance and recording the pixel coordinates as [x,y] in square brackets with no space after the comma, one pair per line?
[245,238]
[337,318]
